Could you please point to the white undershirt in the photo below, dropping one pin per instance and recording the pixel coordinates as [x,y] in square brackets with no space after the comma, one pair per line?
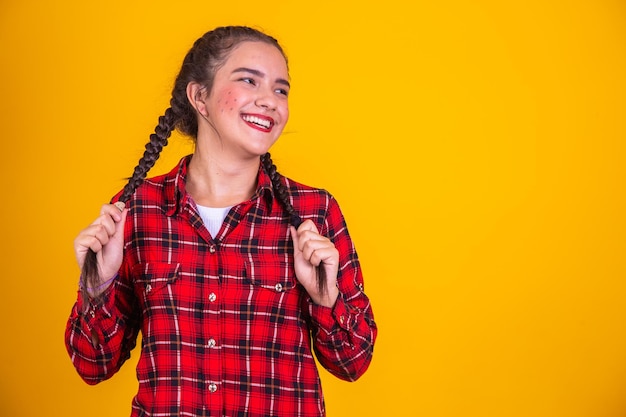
[213,217]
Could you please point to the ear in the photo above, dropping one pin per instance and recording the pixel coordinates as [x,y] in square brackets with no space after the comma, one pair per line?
[196,96]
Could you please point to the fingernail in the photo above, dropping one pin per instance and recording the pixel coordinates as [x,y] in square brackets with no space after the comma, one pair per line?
[120,205]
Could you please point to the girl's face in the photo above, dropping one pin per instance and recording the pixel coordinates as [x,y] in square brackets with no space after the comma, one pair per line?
[247,108]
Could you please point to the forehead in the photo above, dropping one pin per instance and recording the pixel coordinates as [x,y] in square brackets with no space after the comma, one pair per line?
[258,55]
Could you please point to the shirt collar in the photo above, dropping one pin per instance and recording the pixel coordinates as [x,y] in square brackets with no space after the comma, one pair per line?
[176,196]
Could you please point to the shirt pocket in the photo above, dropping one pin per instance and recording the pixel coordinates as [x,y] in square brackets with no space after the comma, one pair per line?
[153,277]
[269,273]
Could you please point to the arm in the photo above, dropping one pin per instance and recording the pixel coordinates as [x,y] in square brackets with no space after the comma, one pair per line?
[344,330]
[99,337]
[101,332]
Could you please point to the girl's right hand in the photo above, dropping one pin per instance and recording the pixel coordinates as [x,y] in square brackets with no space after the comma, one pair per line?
[105,236]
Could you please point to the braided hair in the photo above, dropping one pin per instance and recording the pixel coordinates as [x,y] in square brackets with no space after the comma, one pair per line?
[205,57]
[282,195]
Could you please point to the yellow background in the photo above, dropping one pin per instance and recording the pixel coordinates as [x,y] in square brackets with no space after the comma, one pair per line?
[476,148]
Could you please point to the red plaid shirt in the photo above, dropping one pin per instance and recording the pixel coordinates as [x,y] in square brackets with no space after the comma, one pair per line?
[226,328]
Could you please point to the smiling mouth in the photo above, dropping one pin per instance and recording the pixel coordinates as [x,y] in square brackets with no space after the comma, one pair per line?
[262,123]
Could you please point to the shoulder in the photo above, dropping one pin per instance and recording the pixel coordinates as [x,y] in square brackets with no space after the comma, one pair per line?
[302,191]
[160,190]
[311,201]
[151,190]
[154,184]
[320,206]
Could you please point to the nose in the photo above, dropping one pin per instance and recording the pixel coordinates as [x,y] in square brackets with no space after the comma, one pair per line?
[266,100]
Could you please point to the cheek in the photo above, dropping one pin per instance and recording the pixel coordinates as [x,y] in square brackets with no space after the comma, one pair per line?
[227,100]
[285,112]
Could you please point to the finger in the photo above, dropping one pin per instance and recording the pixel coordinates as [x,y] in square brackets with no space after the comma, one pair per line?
[295,238]
[312,245]
[313,239]
[105,221]
[101,237]
[308,225]
[113,210]
[98,231]
[326,255]
[119,226]
[112,216]
[307,231]
[96,245]
[85,242]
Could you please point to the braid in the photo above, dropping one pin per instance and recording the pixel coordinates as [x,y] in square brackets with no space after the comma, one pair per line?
[280,189]
[153,150]
[282,195]
[90,277]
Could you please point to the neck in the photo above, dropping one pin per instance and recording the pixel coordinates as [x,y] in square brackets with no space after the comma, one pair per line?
[215,182]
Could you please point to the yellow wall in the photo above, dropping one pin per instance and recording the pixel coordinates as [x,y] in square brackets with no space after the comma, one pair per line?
[476,147]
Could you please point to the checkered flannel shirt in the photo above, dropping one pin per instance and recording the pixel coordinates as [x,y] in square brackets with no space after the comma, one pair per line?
[226,329]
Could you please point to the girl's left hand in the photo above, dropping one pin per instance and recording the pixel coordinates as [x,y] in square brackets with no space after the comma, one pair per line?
[310,251]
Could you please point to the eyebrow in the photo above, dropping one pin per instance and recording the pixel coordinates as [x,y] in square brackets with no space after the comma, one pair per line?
[261,75]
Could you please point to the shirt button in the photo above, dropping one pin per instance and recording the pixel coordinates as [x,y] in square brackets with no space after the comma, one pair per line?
[278,287]
[212,387]
[148,288]
[212,249]
[92,313]
[342,319]
[211,343]
[212,297]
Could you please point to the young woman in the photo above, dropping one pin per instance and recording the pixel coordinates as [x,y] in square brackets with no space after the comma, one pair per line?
[233,273]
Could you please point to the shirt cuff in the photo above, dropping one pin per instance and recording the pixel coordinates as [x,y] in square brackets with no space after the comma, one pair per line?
[90,307]
[331,319]
[92,316]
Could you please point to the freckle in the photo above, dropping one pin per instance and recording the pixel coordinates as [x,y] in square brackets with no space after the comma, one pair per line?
[231,108]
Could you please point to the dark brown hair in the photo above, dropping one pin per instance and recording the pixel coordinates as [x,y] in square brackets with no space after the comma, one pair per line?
[205,57]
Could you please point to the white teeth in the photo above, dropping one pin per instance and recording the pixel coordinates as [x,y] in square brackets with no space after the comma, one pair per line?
[257,121]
